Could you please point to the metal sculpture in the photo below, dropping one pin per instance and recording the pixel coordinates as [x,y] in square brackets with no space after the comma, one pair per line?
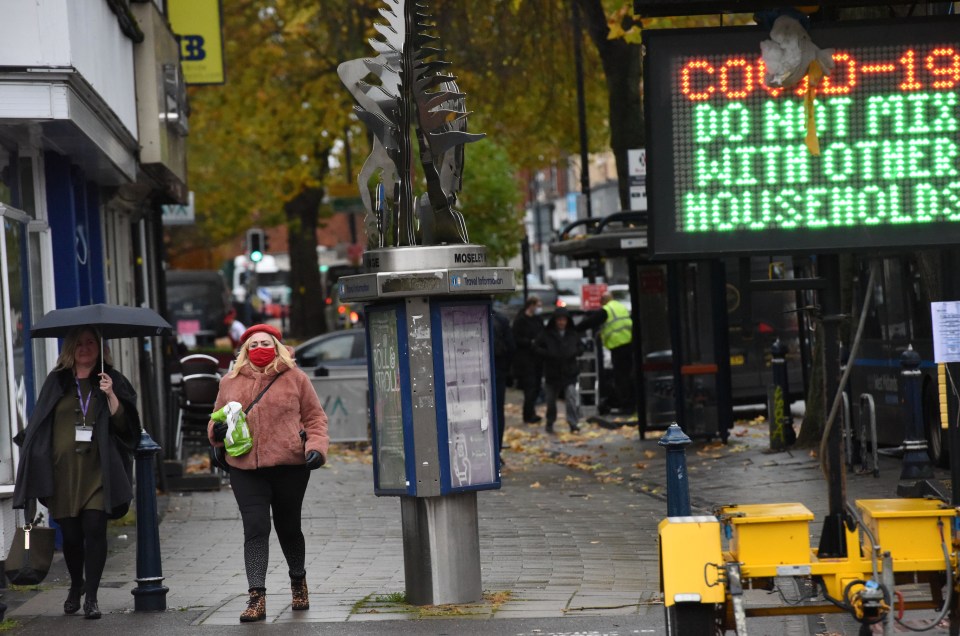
[413,92]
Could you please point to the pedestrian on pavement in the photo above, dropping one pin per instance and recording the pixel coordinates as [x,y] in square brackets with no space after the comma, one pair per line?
[560,346]
[235,328]
[503,351]
[616,334]
[527,363]
[289,431]
[76,458]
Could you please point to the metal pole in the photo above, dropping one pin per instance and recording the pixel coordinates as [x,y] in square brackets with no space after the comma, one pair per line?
[538,211]
[721,347]
[581,109]
[953,438]
[150,594]
[678,486]
[441,549]
[348,167]
[636,344]
[916,463]
[782,434]
[525,257]
[833,540]
[675,312]
[889,582]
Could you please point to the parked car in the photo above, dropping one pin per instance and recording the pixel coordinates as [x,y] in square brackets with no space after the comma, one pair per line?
[345,349]
[197,302]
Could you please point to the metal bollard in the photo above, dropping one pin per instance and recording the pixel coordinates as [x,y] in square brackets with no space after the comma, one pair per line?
[678,486]
[150,594]
[916,463]
[782,434]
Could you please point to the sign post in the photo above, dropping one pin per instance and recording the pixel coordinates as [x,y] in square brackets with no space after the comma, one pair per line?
[432,404]
[429,318]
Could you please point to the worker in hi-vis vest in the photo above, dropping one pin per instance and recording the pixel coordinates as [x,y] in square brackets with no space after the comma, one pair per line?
[616,334]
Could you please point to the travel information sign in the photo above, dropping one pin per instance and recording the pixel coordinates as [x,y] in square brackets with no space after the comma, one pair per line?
[728,169]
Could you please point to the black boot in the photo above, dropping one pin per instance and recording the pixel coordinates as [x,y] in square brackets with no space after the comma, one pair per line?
[72,604]
[90,608]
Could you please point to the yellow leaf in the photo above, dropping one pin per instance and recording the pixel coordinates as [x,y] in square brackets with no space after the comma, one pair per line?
[535,484]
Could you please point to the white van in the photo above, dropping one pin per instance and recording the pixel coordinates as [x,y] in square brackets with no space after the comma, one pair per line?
[273,278]
[568,281]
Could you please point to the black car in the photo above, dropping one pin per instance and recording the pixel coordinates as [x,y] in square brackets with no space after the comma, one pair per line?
[197,302]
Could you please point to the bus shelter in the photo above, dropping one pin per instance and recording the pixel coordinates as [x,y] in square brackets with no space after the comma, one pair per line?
[680,344]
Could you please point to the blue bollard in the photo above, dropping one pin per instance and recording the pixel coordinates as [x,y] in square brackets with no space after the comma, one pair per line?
[916,463]
[678,486]
[150,594]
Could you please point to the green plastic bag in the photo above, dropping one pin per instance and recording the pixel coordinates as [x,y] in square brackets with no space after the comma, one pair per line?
[238,440]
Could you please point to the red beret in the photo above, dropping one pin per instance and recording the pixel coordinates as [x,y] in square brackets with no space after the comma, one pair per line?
[273,331]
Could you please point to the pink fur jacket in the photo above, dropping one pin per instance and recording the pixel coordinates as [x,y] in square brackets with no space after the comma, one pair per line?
[289,406]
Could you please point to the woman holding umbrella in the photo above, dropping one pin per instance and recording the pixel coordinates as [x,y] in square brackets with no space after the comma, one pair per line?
[289,431]
[76,457]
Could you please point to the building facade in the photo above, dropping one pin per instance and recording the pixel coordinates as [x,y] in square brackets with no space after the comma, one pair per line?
[92,143]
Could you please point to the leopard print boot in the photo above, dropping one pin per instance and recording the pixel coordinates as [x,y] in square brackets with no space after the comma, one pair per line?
[301,599]
[256,606]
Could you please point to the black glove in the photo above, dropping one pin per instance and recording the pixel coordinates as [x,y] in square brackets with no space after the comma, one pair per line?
[220,431]
[314,460]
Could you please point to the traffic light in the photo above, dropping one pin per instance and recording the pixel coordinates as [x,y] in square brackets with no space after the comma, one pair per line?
[256,244]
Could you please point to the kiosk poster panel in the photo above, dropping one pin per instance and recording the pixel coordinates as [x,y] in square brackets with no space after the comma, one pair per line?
[468,394]
[729,170]
[386,397]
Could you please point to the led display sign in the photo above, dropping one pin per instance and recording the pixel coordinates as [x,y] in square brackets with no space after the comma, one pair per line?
[728,169]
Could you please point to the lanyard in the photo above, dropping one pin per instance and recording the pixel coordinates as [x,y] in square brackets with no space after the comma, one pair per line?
[84,405]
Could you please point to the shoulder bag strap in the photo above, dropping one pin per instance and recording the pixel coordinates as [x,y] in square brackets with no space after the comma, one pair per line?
[257,399]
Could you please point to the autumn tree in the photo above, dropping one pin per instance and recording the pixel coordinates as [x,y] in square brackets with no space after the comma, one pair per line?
[261,145]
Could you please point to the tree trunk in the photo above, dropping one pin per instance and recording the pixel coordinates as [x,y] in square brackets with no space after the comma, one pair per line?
[623,69]
[307,316]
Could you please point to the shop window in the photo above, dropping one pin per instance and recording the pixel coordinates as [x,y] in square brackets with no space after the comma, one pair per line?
[11,283]
[7,168]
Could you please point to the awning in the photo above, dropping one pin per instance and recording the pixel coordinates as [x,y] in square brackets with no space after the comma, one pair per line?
[619,234]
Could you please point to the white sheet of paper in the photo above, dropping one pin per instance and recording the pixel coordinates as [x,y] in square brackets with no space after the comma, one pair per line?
[946,331]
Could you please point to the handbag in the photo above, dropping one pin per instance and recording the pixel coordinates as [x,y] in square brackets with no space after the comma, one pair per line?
[31,554]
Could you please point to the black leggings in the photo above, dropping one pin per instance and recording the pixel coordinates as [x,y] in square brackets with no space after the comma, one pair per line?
[257,491]
[85,549]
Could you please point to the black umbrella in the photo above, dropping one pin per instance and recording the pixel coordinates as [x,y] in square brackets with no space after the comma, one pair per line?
[113,321]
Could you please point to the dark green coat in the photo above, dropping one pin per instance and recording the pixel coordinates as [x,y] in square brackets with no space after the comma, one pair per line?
[35,471]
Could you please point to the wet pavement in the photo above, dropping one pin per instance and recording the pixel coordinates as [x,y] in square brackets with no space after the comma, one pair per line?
[568,544]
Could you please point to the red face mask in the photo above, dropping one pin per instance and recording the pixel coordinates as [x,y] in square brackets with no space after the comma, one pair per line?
[262,356]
